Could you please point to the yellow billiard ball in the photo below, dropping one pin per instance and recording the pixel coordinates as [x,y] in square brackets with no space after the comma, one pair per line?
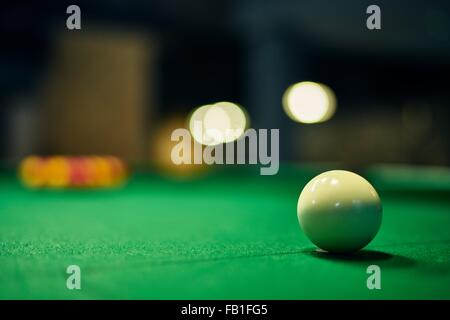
[339,211]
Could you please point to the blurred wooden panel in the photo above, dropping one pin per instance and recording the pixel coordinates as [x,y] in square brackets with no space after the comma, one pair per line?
[99,95]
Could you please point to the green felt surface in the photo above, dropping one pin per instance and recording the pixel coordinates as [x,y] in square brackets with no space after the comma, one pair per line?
[229,235]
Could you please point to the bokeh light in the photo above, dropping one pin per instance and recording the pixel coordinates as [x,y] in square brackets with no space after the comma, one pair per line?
[222,122]
[309,102]
[161,147]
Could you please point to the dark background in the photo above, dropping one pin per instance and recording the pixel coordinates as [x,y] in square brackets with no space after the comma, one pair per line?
[391,84]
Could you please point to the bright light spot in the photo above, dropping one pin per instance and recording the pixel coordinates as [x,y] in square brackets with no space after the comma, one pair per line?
[238,118]
[217,123]
[309,102]
[196,123]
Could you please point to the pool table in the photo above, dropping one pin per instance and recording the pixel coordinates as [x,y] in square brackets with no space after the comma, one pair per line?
[227,234]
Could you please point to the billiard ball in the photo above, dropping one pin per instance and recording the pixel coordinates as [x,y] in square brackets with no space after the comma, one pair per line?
[339,211]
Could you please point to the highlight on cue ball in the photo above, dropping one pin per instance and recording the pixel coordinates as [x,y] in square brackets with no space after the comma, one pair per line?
[309,102]
[339,211]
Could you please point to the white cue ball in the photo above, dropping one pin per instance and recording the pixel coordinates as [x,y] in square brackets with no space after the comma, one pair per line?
[339,211]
